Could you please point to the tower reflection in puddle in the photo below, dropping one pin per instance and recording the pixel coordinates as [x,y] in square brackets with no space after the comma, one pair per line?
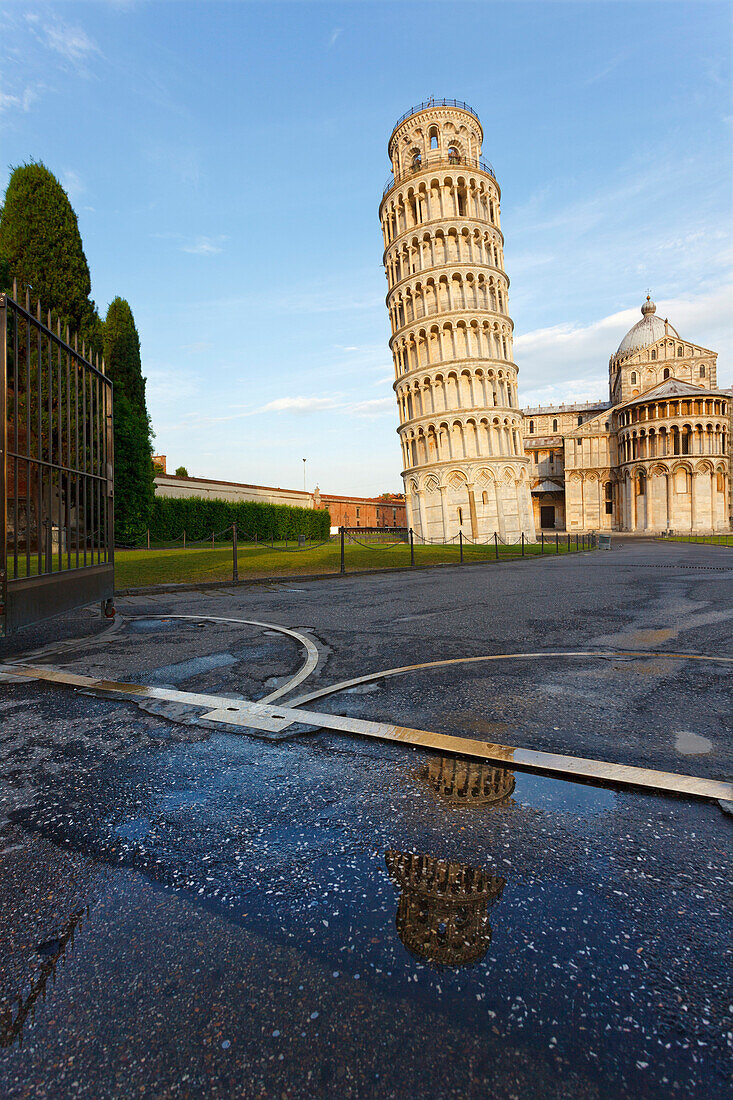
[443,911]
[442,915]
[467,782]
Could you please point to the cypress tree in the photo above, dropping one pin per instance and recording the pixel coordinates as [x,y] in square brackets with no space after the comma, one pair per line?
[42,248]
[134,486]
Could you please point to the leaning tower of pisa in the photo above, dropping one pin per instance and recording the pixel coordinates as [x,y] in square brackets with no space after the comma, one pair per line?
[464,466]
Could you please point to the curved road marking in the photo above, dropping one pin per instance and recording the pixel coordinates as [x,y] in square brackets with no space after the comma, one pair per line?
[311,660]
[344,684]
[309,665]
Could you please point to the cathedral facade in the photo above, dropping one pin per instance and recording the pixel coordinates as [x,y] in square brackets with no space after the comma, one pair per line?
[655,457]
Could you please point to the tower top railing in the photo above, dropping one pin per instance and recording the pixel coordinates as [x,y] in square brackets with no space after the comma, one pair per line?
[433,160]
[432,102]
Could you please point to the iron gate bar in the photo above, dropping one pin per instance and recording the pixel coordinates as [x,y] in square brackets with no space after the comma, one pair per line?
[56,474]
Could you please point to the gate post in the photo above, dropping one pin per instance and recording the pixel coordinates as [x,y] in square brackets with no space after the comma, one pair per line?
[235,563]
[3,465]
[343,558]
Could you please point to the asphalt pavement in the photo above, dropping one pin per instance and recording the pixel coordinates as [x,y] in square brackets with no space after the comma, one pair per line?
[189,911]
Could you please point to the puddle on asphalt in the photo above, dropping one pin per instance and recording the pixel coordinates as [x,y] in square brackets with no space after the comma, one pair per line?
[542,793]
[142,626]
[137,828]
[688,743]
[471,783]
[185,670]
[455,889]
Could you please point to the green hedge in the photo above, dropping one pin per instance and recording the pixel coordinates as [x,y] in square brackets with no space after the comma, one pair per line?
[199,516]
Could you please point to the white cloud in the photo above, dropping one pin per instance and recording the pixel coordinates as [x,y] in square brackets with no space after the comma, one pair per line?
[296,404]
[205,246]
[21,102]
[569,362]
[196,246]
[73,184]
[165,386]
[334,37]
[314,299]
[378,406]
[197,347]
[371,408]
[72,43]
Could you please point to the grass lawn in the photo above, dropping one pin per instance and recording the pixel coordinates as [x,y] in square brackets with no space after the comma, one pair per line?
[136,568]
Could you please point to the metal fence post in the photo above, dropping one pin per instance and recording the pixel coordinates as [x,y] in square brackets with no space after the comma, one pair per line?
[542,542]
[235,563]
[184,538]
[412,548]
[148,538]
[557,543]
[496,545]
[568,542]
[343,557]
[577,547]
[522,543]
[212,539]
[460,543]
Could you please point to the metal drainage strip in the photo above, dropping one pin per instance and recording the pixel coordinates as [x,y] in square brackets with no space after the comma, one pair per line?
[274,718]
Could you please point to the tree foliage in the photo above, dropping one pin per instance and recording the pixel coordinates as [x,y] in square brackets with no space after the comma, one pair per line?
[41,247]
[199,516]
[134,485]
[181,471]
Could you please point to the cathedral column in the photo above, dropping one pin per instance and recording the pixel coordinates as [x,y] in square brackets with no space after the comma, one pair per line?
[668,480]
[444,512]
[501,529]
[693,500]
[421,510]
[472,511]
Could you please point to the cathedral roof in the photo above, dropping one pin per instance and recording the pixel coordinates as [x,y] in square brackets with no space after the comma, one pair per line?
[671,387]
[646,331]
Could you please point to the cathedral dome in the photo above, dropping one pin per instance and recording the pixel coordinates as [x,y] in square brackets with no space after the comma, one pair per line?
[645,332]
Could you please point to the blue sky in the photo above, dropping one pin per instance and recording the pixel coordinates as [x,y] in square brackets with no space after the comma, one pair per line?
[226,162]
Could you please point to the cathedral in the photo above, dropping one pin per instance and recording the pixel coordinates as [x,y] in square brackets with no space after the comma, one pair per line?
[655,457]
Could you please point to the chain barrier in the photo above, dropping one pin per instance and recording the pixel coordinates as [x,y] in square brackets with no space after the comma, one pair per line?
[225,535]
[244,541]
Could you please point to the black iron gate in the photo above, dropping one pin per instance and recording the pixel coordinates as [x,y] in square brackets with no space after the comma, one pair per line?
[56,470]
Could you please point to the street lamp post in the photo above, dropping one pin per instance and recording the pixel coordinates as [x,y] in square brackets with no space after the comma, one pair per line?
[304,488]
